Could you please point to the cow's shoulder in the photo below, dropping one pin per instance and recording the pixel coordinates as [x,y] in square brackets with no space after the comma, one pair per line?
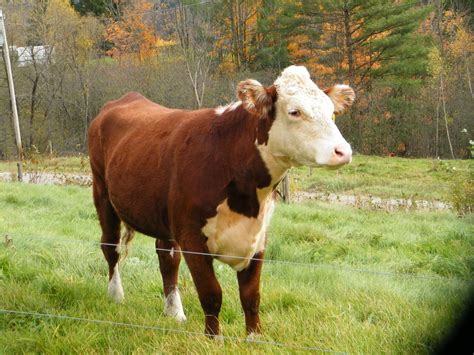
[131,109]
[126,99]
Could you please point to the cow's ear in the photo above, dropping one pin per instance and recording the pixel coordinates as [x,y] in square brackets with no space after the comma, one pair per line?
[342,97]
[256,98]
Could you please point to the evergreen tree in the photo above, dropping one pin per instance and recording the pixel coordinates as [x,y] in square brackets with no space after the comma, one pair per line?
[98,8]
[270,47]
[374,45]
[363,39]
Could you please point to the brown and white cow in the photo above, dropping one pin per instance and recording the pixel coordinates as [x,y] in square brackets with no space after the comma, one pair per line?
[202,181]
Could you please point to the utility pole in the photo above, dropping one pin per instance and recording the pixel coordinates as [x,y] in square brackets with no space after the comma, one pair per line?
[11,86]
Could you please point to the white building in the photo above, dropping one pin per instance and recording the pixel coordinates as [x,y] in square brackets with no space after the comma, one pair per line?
[29,55]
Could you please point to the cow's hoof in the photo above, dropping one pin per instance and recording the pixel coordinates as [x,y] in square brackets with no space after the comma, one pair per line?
[116,293]
[173,306]
[218,338]
[179,317]
[115,289]
[254,337]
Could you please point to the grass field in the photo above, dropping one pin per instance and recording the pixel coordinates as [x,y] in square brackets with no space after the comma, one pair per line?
[386,177]
[379,281]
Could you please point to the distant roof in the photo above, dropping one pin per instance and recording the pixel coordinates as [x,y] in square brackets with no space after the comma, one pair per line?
[31,54]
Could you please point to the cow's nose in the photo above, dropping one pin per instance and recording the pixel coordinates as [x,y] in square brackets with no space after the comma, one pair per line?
[343,154]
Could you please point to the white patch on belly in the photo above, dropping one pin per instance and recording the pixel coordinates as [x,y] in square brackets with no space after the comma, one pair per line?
[232,234]
[173,306]
[115,289]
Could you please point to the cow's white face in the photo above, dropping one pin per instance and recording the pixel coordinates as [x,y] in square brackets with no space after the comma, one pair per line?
[303,132]
[303,129]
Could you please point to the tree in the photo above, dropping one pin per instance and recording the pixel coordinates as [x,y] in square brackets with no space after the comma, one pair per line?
[196,40]
[131,36]
[270,48]
[366,42]
[235,20]
[99,8]
[69,43]
[450,65]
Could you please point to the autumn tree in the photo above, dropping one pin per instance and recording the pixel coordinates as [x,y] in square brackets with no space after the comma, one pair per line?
[236,22]
[411,63]
[131,36]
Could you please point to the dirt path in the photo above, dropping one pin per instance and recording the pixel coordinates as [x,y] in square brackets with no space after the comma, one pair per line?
[368,202]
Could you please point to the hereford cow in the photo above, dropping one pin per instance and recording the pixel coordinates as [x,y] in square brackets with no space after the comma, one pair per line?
[202,181]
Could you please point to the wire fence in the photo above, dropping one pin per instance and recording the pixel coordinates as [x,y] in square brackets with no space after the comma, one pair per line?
[248,340]
[334,267]
[234,339]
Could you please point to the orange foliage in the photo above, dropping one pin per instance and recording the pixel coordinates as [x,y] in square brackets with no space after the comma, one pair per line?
[304,49]
[131,37]
[315,53]
[237,36]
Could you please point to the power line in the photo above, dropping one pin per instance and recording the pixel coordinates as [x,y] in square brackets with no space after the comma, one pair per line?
[165,330]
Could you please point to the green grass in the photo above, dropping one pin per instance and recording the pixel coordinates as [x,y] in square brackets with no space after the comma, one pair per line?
[329,305]
[387,177]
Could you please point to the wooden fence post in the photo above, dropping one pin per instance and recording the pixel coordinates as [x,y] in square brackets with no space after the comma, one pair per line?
[285,184]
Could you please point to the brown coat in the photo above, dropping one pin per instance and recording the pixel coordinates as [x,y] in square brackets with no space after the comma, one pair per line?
[201,181]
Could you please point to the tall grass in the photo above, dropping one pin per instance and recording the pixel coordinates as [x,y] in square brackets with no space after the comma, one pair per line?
[53,265]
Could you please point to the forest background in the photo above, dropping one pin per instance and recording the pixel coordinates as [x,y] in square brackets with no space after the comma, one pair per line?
[409,61]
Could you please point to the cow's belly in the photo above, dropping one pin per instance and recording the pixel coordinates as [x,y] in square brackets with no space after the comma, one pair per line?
[235,237]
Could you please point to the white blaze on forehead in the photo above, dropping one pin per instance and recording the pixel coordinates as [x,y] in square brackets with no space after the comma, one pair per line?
[298,91]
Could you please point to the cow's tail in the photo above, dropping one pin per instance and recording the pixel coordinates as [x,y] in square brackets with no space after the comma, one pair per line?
[126,239]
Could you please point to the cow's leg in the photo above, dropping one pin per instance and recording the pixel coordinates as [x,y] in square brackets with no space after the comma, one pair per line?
[110,224]
[207,286]
[169,265]
[249,287]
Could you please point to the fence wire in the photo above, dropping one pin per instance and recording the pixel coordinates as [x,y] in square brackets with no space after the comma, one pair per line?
[249,340]
[274,261]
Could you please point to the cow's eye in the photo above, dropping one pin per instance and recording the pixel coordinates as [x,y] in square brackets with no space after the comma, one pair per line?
[294,113]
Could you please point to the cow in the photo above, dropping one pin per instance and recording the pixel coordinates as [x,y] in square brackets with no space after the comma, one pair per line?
[201,181]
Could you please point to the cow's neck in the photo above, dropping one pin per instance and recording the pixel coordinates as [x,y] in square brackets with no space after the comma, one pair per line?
[277,166]
[254,131]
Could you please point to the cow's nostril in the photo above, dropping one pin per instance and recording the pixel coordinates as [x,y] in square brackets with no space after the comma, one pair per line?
[342,154]
[339,152]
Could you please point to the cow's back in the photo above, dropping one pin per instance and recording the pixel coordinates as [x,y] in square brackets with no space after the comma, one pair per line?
[118,119]
[130,152]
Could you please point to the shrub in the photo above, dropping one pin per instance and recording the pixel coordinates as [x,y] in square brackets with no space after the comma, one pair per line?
[462,195]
